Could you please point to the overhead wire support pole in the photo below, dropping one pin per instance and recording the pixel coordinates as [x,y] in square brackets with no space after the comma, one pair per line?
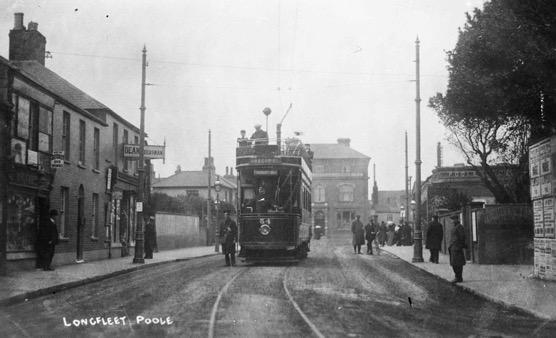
[279,128]
[418,239]
[139,233]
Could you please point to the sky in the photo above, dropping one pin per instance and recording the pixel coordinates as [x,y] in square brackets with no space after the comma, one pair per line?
[346,67]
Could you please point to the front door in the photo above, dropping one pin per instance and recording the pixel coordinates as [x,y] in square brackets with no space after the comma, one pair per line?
[80,223]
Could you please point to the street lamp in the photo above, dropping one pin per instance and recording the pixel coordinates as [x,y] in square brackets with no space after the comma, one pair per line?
[217,188]
[267,112]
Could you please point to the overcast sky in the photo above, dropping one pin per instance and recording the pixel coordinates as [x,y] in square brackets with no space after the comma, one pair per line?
[347,68]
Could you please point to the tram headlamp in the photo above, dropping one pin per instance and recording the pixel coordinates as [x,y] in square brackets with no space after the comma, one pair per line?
[264,229]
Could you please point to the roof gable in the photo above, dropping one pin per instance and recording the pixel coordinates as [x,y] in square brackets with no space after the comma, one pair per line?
[336,151]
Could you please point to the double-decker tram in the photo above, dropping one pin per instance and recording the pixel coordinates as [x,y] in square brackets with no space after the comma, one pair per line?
[274,202]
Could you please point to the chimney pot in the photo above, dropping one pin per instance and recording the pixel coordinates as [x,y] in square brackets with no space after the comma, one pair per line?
[18,24]
[33,26]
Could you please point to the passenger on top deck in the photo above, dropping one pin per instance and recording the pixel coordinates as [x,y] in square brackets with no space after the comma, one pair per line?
[259,136]
[243,141]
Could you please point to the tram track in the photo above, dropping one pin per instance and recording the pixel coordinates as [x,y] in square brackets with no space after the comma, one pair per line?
[289,299]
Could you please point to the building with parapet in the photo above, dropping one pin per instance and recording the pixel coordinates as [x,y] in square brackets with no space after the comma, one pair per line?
[340,185]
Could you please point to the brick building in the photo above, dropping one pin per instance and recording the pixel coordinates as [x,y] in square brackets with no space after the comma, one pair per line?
[340,185]
[94,187]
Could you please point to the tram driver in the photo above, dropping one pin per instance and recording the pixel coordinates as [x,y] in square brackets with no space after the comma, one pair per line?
[264,201]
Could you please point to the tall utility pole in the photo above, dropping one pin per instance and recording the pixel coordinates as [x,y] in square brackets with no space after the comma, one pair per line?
[209,164]
[417,239]
[139,234]
[406,180]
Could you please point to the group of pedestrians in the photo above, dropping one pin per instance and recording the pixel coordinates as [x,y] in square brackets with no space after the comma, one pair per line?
[372,233]
[401,235]
[458,242]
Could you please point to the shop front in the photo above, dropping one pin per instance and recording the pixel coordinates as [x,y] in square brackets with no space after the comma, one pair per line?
[24,207]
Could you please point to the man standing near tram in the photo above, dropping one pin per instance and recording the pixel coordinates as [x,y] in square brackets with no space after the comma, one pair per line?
[228,239]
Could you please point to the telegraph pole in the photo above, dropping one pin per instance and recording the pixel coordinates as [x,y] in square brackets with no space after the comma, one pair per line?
[417,240]
[406,181]
[209,165]
[139,233]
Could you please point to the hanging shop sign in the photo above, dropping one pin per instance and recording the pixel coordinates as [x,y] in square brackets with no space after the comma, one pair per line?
[149,152]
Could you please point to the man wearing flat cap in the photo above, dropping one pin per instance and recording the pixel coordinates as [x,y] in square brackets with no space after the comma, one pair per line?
[259,136]
[457,244]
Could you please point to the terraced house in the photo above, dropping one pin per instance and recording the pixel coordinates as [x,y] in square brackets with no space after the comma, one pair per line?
[60,149]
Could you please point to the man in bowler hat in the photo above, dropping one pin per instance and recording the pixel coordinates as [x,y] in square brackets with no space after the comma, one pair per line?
[457,244]
[48,238]
[435,233]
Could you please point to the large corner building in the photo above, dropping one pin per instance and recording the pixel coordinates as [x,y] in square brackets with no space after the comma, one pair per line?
[340,185]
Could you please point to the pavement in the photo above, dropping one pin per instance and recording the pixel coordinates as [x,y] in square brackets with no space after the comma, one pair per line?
[510,285]
[23,285]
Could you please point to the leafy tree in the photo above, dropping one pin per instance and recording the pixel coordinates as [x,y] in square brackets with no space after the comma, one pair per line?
[502,90]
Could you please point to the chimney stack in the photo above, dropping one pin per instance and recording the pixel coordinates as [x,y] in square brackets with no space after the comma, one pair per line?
[344,141]
[18,25]
[26,44]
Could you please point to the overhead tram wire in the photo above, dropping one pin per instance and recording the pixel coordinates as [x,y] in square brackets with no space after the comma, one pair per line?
[246,67]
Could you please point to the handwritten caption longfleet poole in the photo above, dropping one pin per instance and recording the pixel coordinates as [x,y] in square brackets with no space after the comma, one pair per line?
[115,321]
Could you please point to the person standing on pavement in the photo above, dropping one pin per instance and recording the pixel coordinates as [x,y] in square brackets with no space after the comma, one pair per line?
[150,237]
[457,244]
[391,234]
[435,234]
[382,233]
[228,238]
[358,235]
[48,239]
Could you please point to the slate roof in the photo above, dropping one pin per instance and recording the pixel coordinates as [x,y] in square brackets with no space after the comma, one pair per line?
[335,151]
[66,91]
[193,179]
[58,85]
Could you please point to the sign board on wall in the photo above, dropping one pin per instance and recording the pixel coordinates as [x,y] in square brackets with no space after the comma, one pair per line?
[149,152]
[57,159]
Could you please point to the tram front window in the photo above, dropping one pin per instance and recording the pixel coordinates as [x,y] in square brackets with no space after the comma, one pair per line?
[276,191]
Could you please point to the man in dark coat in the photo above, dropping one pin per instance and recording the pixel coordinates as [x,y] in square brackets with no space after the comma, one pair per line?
[370,236]
[382,233]
[457,244]
[150,237]
[358,235]
[435,233]
[47,240]
[228,238]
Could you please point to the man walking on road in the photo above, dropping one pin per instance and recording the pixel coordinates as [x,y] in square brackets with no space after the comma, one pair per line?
[457,244]
[435,233]
[358,235]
